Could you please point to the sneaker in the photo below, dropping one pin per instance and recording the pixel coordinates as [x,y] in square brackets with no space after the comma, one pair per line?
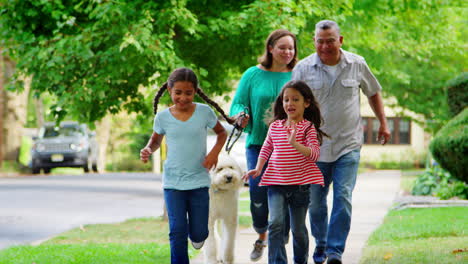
[198,245]
[319,255]
[257,251]
[334,259]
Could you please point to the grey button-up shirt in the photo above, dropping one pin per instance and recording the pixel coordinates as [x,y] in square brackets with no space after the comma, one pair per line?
[339,100]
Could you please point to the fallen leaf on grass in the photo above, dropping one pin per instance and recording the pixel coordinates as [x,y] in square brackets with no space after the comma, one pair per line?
[388,256]
[459,250]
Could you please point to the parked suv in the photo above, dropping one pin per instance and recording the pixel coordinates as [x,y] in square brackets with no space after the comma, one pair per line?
[69,145]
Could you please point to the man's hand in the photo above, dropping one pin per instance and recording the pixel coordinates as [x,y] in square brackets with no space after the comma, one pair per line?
[384,135]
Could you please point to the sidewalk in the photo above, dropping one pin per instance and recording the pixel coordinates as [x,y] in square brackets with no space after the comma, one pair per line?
[373,196]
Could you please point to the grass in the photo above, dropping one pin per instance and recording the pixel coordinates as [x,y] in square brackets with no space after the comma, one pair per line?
[136,241]
[422,235]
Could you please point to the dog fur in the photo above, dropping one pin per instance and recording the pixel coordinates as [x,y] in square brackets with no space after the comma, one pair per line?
[226,180]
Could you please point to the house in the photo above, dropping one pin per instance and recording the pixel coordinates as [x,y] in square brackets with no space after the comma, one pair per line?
[409,143]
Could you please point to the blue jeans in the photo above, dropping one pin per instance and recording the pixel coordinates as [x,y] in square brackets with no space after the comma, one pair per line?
[188,217]
[295,200]
[342,172]
[259,195]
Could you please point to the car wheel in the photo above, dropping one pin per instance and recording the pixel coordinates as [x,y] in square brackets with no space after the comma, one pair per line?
[36,170]
[46,170]
[94,167]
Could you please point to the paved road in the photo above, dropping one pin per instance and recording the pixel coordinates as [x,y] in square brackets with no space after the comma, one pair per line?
[34,208]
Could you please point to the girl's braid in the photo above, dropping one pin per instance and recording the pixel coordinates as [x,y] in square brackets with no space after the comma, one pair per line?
[157,96]
[213,103]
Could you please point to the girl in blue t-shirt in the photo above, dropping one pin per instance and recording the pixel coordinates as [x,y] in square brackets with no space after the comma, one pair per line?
[185,174]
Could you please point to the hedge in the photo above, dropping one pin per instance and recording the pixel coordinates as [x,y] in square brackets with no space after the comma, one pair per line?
[450,146]
[457,93]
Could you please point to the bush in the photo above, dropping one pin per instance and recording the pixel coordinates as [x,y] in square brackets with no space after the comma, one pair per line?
[438,182]
[129,163]
[457,93]
[449,147]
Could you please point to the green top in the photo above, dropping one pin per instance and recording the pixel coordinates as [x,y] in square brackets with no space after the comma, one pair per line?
[257,90]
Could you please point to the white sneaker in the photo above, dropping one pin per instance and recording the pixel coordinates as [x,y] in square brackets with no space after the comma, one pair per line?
[257,251]
[198,245]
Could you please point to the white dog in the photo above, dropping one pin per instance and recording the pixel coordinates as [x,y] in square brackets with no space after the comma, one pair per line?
[226,180]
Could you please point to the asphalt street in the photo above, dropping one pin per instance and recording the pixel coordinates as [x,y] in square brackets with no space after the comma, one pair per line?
[34,208]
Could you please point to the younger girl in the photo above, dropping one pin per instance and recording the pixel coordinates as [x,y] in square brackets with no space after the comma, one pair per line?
[185,177]
[291,149]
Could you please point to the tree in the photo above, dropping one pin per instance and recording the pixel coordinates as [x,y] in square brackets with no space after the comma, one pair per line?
[413,47]
[94,55]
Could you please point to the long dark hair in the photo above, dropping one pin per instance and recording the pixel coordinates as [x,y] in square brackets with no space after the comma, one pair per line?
[187,75]
[311,113]
[266,60]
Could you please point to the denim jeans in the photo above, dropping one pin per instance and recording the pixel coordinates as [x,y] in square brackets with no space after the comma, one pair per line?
[342,173]
[259,195]
[281,200]
[188,217]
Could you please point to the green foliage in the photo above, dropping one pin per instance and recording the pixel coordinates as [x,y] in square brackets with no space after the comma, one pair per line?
[129,163]
[413,47]
[100,57]
[457,93]
[450,146]
[24,157]
[438,182]
[96,56]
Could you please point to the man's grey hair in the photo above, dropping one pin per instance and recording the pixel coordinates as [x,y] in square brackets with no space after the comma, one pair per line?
[326,24]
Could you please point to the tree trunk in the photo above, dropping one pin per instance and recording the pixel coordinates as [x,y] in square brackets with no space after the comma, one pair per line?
[103,128]
[15,118]
[39,111]
[14,113]
[2,105]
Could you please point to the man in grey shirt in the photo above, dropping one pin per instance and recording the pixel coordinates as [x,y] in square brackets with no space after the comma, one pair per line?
[336,77]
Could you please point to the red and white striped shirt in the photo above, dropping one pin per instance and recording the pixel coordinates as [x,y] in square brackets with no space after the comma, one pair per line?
[286,165]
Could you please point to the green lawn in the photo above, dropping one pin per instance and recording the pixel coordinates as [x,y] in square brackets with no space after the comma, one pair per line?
[136,241]
[423,235]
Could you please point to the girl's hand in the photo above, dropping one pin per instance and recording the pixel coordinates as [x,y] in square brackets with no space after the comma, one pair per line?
[251,173]
[145,153]
[210,161]
[291,133]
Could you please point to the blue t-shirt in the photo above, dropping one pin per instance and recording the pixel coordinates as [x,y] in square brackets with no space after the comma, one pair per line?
[186,147]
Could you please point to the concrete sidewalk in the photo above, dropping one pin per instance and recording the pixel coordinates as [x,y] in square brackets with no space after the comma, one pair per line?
[374,194]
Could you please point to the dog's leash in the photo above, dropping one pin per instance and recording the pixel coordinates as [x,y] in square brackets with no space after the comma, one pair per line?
[236,132]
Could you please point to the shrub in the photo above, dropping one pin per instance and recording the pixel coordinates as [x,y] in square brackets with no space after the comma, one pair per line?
[457,93]
[438,182]
[449,147]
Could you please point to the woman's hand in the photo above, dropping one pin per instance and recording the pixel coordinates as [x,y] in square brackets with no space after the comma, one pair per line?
[145,154]
[242,119]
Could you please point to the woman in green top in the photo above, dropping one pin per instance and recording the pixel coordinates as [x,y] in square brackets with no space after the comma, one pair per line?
[257,90]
